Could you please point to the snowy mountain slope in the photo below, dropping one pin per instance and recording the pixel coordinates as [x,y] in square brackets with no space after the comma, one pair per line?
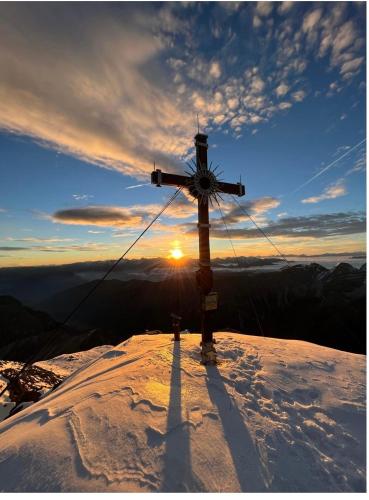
[274,415]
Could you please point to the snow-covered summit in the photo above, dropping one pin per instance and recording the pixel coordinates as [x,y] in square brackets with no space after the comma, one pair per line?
[274,415]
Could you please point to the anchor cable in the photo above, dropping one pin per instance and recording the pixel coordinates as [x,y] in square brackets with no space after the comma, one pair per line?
[261,230]
[33,358]
[238,263]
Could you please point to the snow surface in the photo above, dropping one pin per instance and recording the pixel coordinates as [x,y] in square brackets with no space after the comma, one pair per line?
[274,415]
[62,366]
[66,364]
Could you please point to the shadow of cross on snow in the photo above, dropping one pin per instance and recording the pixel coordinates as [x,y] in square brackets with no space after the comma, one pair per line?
[177,474]
[245,458]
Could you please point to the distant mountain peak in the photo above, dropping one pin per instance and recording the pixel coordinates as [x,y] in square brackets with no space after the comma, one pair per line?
[344,268]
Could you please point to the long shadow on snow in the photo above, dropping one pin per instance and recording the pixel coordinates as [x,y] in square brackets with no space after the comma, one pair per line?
[177,473]
[244,456]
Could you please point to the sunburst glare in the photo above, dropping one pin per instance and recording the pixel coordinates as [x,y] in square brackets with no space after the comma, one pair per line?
[176,253]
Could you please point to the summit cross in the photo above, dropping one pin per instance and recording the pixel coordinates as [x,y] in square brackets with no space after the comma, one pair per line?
[202,185]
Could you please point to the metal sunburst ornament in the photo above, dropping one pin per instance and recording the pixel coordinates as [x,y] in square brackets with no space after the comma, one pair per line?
[204,182]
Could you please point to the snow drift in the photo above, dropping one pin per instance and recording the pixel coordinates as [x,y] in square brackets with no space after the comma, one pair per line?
[274,415]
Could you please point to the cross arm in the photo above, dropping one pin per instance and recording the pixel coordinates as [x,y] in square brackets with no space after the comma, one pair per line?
[162,179]
[236,189]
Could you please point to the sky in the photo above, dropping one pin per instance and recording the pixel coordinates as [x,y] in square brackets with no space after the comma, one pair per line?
[92,94]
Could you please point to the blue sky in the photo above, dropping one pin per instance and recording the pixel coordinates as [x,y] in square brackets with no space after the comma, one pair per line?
[92,94]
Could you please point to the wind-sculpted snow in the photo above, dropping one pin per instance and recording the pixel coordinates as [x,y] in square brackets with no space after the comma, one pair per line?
[274,415]
[43,375]
[69,363]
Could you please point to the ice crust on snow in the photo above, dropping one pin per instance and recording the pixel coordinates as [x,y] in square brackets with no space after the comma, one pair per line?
[274,415]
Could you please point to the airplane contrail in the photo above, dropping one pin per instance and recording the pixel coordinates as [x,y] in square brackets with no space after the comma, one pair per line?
[137,186]
[329,166]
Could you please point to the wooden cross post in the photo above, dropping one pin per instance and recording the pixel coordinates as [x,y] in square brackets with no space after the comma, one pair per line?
[203,185]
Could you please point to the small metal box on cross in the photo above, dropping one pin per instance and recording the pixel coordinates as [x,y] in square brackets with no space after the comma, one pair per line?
[203,185]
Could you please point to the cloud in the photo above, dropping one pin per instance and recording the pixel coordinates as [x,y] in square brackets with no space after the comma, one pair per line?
[315,226]
[281,90]
[344,37]
[233,103]
[121,234]
[299,95]
[359,164]
[215,70]
[329,254]
[121,89]
[92,93]
[342,41]
[262,205]
[40,240]
[135,216]
[101,216]
[86,247]
[285,7]
[257,22]
[284,105]
[341,149]
[334,88]
[311,20]
[257,207]
[352,65]
[231,7]
[12,249]
[331,192]
[82,197]
[257,84]
[263,9]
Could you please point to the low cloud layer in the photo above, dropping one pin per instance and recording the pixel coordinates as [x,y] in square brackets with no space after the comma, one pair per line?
[314,226]
[85,247]
[12,249]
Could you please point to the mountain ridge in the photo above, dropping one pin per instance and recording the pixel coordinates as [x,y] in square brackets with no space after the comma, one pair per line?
[271,303]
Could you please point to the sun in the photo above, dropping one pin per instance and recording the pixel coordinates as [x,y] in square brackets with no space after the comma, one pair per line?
[176,253]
